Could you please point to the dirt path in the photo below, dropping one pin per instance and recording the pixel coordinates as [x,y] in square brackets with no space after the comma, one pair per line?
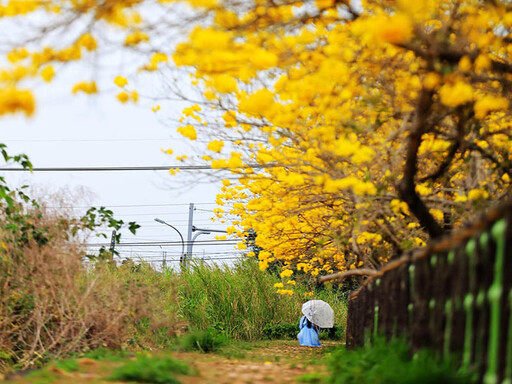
[268,362]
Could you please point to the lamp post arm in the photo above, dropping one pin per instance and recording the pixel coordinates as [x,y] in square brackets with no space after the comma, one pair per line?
[179,233]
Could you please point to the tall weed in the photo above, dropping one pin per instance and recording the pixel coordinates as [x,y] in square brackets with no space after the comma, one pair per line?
[52,304]
[241,300]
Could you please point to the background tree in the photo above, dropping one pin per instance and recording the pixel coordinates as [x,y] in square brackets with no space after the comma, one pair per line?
[353,131]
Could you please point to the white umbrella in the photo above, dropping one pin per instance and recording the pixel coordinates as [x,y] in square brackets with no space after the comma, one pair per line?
[319,313]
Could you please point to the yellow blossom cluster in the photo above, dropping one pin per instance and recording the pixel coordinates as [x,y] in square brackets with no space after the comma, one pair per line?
[352,133]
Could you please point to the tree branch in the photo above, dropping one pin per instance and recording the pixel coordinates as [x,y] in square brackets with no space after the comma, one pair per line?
[463,117]
[407,186]
[343,275]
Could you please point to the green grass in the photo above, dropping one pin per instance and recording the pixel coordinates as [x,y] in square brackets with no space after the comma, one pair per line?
[312,378]
[104,354]
[206,341]
[68,365]
[391,363]
[241,301]
[144,369]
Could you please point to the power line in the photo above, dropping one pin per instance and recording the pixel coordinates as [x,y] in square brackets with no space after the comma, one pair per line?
[141,168]
[167,243]
[130,205]
[86,140]
[178,260]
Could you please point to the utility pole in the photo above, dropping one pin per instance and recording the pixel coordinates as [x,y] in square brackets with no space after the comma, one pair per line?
[189,232]
[112,246]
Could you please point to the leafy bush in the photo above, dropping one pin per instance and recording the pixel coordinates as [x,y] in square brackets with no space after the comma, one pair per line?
[280,331]
[391,363]
[205,341]
[144,369]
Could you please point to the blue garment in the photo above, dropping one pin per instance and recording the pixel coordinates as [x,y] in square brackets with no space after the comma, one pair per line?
[308,337]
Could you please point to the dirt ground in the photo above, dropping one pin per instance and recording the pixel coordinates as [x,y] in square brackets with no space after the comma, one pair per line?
[265,362]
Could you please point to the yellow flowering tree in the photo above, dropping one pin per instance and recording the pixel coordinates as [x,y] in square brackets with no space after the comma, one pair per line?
[352,132]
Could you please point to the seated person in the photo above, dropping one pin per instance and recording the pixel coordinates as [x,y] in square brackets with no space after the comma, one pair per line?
[308,335]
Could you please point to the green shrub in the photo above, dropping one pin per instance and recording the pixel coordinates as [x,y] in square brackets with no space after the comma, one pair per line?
[146,369]
[205,341]
[391,363]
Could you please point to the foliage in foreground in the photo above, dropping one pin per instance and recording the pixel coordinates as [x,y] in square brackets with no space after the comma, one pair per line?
[144,369]
[391,363]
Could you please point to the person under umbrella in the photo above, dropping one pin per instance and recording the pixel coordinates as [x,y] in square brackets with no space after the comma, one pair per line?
[308,335]
[317,314]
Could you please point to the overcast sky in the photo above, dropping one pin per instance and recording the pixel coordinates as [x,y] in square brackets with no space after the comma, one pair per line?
[81,131]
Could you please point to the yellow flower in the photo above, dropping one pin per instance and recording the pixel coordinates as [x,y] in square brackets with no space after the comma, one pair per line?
[482,62]
[85,87]
[431,80]
[13,100]
[489,103]
[437,213]
[367,237]
[465,64]
[229,119]
[257,103]
[286,273]
[155,108]
[123,97]
[477,194]
[278,285]
[322,4]
[87,41]
[453,95]
[120,81]
[188,131]
[47,73]
[136,38]
[223,83]
[189,111]
[397,29]
[215,145]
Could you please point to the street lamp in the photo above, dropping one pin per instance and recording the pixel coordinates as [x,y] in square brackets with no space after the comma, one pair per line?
[182,258]
[200,231]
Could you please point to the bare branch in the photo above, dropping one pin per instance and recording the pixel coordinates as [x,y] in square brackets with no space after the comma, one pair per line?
[343,275]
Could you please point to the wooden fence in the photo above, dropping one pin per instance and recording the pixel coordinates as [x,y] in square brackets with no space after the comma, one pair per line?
[454,296]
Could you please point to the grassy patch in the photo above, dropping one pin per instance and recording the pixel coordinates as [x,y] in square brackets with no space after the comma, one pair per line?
[104,354]
[68,365]
[311,378]
[144,369]
[204,341]
[241,301]
[236,349]
[391,363]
